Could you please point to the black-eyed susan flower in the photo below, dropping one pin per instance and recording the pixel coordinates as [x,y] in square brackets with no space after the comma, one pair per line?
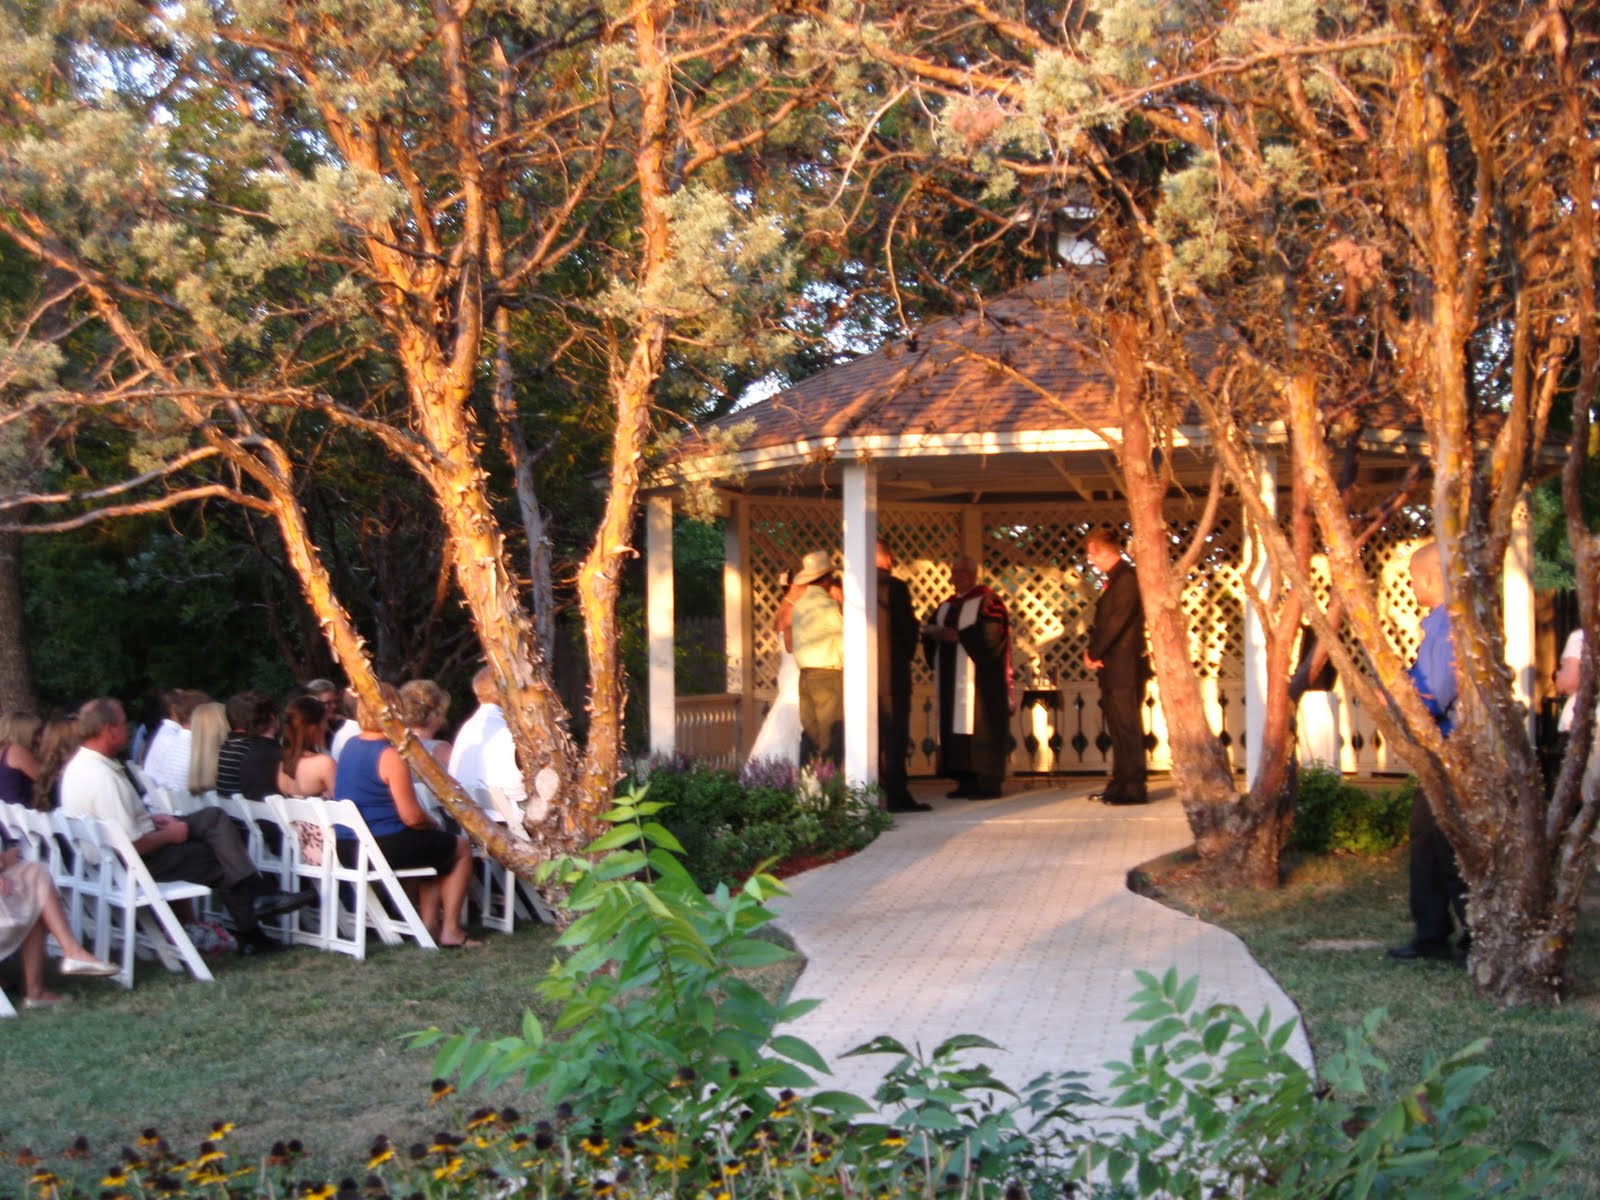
[894,1139]
[44,1180]
[683,1077]
[220,1129]
[646,1124]
[150,1138]
[438,1090]
[450,1168]
[116,1177]
[670,1164]
[79,1148]
[317,1191]
[208,1154]
[481,1117]
[381,1151]
[594,1143]
[732,1167]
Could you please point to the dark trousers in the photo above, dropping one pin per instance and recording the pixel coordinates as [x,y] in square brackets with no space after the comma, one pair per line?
[821,715]
[215,856]
[1120,707]
[894,731]
[1437,890]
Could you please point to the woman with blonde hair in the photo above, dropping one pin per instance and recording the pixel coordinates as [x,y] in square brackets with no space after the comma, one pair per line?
[58,741]
[306,768]
[423,707]
[18,767]
[208,729]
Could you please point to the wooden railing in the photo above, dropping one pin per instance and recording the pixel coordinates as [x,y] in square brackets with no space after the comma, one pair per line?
[709,729]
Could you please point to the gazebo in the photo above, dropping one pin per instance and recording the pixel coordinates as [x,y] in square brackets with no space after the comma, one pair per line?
[990,434]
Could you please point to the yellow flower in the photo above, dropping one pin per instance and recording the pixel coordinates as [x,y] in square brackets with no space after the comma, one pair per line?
[439,1089]
[318,1191]
[594,1144]
[678,1162]
[894,1138]
[204,1175]
[449,1168]
[44,1180]
[646,1124]
[380,1155]
[208,1154]
[117,1178]
[221,1129]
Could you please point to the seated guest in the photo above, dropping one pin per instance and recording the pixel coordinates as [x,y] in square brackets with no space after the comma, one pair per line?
[326,693]
[247,763]
[423,706]
[203,847]
[58,742]
[305,768]
[166,762]
[343,727]
[19,733]
[30,908]
[375,777]
[208,729]
[466,756]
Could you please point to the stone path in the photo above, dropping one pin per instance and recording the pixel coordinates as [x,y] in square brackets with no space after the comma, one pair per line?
[1007,918]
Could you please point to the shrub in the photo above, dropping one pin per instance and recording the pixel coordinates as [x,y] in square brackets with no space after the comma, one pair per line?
[671,1081]
[1333,816]
[729,825]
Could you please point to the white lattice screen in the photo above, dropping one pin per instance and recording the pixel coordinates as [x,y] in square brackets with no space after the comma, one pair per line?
[1033,556]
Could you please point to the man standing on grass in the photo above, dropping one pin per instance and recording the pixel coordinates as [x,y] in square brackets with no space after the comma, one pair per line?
[1437,890]
[203,847]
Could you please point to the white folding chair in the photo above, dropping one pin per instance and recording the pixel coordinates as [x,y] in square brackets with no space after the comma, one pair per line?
[35,834]
[520,895]
[270,854]
[128,901]
[352,897]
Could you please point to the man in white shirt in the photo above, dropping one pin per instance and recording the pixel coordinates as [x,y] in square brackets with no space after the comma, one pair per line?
[466,752]
[816,632]
[202,848]
[166,762]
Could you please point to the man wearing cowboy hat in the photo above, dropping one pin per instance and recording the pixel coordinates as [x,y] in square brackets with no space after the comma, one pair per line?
[817,633]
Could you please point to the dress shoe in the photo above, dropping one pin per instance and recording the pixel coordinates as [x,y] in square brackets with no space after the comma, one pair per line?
[1415,951]
[86,966]
[255,943]
[1120,800]
[904,806]
[275,904]
[958,794]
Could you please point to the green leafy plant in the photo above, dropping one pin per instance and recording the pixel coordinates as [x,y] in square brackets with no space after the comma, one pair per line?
[1336,817]
[1225,1110]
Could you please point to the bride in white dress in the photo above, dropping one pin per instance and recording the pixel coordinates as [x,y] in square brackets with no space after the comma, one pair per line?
[779,738]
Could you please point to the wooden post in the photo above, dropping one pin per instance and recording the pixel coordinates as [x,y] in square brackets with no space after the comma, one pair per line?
[1518,603]
[738,633]
[1255,642]
[861,624]
[660,617]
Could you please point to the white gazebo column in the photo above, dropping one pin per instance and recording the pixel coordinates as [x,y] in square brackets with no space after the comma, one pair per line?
[659,625]
[738,636]
[1255,641]
[861,624]
[1518,601]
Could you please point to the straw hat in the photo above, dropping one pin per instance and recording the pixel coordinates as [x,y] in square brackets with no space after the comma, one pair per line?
[814,566]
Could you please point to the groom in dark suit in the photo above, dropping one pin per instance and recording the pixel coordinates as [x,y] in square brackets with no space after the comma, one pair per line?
[1116,653]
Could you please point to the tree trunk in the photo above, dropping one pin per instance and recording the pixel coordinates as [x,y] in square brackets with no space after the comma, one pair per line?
[1199,765]
[16,672]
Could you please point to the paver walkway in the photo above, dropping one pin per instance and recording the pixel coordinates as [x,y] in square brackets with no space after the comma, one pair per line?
[1007,918]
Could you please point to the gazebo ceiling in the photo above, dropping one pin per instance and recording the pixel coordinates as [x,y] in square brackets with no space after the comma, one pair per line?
[1005,400]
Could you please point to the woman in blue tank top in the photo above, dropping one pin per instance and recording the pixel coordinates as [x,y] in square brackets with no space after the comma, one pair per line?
[373,775]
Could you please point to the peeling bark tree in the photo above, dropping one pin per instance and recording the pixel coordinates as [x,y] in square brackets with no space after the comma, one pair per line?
[271,196]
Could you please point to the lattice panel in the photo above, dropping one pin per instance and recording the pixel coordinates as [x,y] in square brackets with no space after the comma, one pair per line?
[1033,556]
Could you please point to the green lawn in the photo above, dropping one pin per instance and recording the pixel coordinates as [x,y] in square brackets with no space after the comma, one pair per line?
[1323,936]
[303,1044]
